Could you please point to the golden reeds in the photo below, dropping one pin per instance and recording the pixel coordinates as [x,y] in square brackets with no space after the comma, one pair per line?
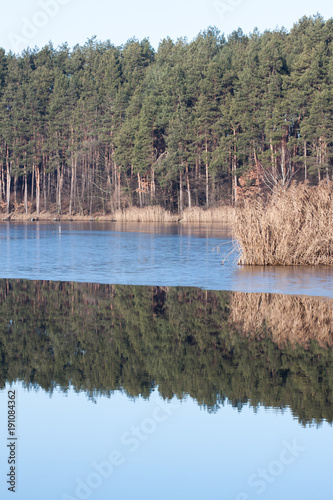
[293,319]
[146,214]
[294,227]
[224,214]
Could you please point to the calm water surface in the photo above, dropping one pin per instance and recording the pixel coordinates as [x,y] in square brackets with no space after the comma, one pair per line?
[186,388]
[139,254]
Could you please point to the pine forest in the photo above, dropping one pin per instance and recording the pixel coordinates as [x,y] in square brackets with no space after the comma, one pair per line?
[100,128]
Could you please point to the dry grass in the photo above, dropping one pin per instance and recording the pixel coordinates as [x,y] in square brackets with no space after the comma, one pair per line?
[224,214]
[191,215]
[297,320]
[146,214]
[294,227]
[156,214]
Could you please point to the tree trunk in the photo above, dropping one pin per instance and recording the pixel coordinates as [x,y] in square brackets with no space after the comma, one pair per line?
[60,181]
[188,187]
[44,183]
[37,174]
[71,199]
[83,188]
[8,192]
[234,179]
[180,208]
[207,177]
[25,192]
[109,174]
[8,183]
[140,195]
[118,187]
[32,185]
[152,185]
[15,190]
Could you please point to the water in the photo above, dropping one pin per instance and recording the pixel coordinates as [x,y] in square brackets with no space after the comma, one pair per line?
[180,389]
[134,254]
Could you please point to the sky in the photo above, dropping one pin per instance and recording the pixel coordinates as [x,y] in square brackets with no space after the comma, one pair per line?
[33,23]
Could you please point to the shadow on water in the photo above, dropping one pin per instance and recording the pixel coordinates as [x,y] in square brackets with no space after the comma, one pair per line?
[217,347]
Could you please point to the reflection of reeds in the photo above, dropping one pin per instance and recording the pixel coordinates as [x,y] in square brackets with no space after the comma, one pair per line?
[293,319]
[295,227]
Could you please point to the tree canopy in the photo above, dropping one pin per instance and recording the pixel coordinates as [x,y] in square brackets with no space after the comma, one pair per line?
[99,127]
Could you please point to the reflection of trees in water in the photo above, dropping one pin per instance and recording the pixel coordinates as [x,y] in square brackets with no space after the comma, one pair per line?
[211,345]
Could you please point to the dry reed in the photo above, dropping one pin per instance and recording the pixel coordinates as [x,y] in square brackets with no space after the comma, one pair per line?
[224,214]
[146,214]
[294,227]
[293,319]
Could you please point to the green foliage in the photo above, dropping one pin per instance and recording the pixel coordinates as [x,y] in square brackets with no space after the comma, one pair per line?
[77,126]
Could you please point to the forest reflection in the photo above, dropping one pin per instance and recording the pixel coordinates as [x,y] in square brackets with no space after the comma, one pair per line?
[217,347]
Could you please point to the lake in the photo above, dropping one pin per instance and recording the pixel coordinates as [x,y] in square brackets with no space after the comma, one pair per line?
[143,254]
[144,369]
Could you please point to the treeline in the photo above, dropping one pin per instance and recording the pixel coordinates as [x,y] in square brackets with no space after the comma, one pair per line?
[218,347]
[99,128]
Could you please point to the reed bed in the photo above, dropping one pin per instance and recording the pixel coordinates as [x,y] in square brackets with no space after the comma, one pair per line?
[146,214]
[290,319]
[294,227]
[224,214]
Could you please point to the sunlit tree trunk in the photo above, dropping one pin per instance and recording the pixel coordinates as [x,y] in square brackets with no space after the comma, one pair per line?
[207,176]
[188,187]
[37,174]
[180,208]
[25,192]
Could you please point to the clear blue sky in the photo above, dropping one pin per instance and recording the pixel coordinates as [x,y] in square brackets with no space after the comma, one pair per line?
[35,22]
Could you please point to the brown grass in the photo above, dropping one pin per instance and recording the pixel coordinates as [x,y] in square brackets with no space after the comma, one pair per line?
[294,227]
[293,319]
[224,214]
[156,214]
[146,214]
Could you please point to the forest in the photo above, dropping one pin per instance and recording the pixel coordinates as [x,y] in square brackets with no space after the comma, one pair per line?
[98,128]
[218,347]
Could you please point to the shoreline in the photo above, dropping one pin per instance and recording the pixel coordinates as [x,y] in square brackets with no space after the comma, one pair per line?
[220,215]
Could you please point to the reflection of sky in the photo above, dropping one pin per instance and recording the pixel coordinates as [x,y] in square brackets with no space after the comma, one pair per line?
[170,255]
[192,454]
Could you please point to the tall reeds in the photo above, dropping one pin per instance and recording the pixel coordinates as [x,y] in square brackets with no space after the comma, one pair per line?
[224,214]
[146,214]
[293,227]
